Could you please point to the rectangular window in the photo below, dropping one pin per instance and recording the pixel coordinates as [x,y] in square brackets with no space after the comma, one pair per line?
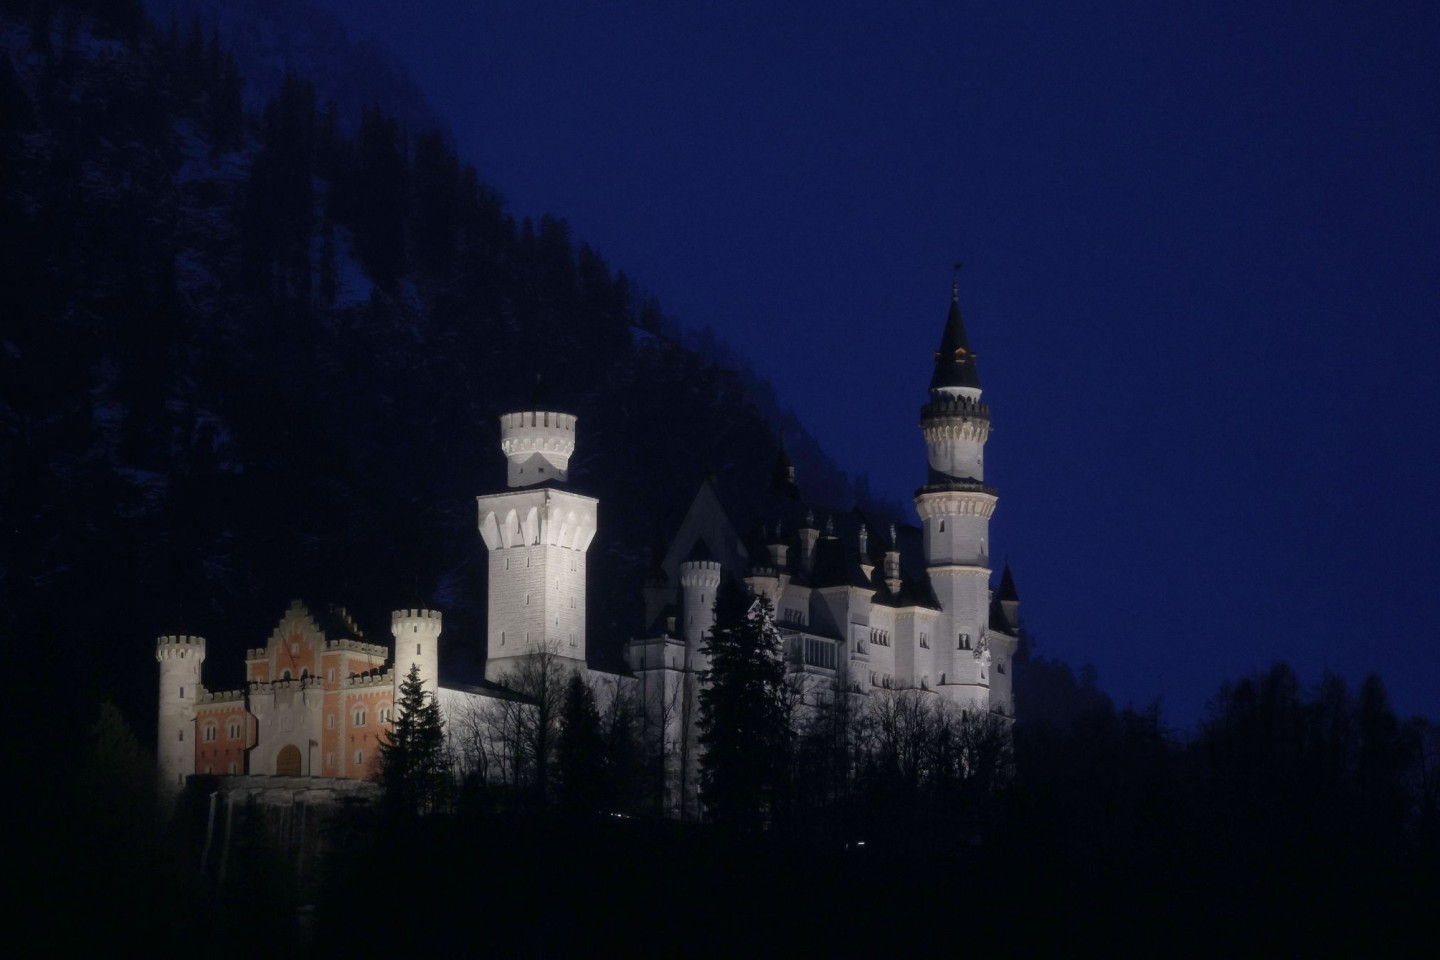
[417,649]
[359,757]
[330,722]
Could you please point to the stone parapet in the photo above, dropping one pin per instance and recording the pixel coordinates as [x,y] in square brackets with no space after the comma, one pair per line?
[179,647]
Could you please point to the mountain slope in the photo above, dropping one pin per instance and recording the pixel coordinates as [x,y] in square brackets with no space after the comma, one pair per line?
[260,356]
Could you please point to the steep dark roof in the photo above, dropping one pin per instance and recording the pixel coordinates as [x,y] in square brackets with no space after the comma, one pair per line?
[782,478]
[1000,620]
[1007,586]
[954,362]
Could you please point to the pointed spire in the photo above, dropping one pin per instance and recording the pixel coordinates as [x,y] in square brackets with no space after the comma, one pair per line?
[782,478]
[1007,587]
[954,361]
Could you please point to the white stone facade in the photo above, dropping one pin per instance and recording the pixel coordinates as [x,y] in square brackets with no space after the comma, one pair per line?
[858,611]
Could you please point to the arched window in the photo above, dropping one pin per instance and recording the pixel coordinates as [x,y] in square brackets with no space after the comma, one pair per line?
[285,674]
[382,715]
[359,758]
[359,716]
[211,732]
[234,730]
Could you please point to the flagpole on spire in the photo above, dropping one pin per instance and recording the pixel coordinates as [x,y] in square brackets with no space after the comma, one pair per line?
[955,281]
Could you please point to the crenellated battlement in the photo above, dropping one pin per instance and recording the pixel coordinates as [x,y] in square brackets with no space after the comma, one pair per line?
[220,697]
[699,573]
[943,407]
[293,683]
[546,429]
[937,492]
[361,681]
[958,499]
[538,445]
[178,647]
[357,646]
[419,620]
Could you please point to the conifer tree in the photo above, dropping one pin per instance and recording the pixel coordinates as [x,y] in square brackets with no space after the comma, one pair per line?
[743,726]
[412,754]
[580,749]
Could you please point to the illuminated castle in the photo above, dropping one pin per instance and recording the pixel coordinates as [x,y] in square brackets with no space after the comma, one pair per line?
[857,610]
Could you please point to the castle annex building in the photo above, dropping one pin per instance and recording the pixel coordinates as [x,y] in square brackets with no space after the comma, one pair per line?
[859,611]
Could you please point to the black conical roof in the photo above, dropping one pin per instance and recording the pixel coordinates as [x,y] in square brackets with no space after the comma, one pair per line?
[1007,587]
[782,478]
[954,361]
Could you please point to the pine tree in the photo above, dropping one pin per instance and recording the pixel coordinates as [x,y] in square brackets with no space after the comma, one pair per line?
[743,726]
[580,750]
[412,754]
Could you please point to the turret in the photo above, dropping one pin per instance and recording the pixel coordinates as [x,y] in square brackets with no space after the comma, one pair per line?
[699,579]
[538,445]
[892,563]
[180,658]
[955,507]
[417,643]
[808,536]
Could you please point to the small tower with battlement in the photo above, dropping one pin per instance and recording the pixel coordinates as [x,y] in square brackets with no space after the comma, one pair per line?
[180,658]
[955,506]
[537,535]
[417,643]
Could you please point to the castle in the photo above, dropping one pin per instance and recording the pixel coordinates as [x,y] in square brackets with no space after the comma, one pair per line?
[858,611]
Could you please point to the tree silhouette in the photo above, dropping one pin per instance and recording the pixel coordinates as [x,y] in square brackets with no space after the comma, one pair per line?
[580,749]
[743,729]
[412,754]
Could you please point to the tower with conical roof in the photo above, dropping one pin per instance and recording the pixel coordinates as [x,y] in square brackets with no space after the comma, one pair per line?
[955,506]
[537,535]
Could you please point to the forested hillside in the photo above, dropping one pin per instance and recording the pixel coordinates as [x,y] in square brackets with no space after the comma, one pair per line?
[249,357]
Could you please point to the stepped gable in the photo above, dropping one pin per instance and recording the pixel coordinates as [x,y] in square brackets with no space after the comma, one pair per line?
[336,623]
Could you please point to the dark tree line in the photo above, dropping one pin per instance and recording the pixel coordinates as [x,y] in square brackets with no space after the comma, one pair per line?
[255,356]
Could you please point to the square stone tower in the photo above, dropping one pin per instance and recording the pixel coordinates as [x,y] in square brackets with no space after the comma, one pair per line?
[537,534]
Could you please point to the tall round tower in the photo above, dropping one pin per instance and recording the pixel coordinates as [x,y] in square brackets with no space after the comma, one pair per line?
[955,506]
[699,580]
[417,643]
[180,659]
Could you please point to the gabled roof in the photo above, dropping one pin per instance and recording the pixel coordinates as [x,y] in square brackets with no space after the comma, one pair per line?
[706,533]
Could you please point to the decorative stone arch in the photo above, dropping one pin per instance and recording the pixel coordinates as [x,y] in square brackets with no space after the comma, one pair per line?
[288,761]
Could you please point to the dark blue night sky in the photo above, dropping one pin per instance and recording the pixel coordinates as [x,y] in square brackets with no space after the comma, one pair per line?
[1202,248]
